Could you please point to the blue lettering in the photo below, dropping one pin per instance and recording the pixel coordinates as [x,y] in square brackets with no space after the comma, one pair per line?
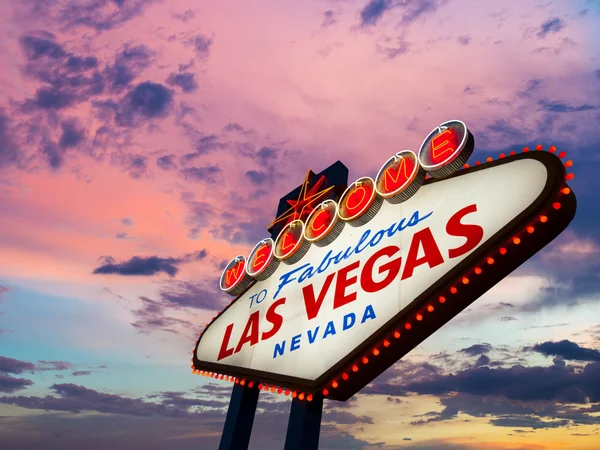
[262,295]
[286,278]
[348,325]
[306,274]
[252,299]
[295,345]
[329,330]
[279,349]
[312,338]
[369,314]
[362,239]
[327,260]
[377,237]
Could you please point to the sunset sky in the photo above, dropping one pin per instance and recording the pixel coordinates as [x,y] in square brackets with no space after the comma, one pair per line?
[144,143]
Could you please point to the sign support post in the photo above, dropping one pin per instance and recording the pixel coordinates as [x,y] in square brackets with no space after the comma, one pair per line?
[304,424]
[240,417]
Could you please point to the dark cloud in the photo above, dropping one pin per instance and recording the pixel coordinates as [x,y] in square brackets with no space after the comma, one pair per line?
[146,265]
[9,153]
[35,47]
[127,221]
[259,177]
[122,236]
[146,100]
[345,418]
[53,365]
[567,350]
[128,64]
[556,106]
[99,15]
[79,373]
[553,25]
[204,295]
[531,87]
[401,48]
[597,73]
[464,39]
[10,365]
[151,317]
[328,18]
[205,174]
[72,134]
[483,360]
[77,399]
[53,98]
[476,349]
[373,11]
[416,9]
[507,319]
[204,146]
[186,81]
[185,16]
[166,162]
[10,384]
[528,422]
[202,45]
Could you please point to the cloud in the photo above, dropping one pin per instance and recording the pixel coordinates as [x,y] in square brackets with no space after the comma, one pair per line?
[186,81]
[79,373]
[201,44]
[561,107]
[99,15]
[476,349]
[146,265]
[373,11]
[72,134]
[203,295]
[77,399]
[10,365]
[259,177]
[166,162]
[185,16]
[146,100]
[10,384]
[553,25]
[567,350]
[328,18]
[9,153]
[53,365]
[465,39]
[201,174]
[127,221]
[151,316]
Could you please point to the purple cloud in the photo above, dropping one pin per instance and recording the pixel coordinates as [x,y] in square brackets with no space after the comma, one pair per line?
[146,265]
[10,365]
[553,25]
[10,384]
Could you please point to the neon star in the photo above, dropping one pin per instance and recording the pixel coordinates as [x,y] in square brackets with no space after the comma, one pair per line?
[306,203]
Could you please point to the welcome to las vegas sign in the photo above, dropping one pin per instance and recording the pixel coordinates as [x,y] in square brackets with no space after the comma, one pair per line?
[338,298]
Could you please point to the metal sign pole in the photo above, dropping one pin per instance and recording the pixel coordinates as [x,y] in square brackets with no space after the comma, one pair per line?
[240,417]
[304,424]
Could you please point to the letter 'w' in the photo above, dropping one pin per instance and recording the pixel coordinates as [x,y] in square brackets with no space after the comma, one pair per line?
[232,274]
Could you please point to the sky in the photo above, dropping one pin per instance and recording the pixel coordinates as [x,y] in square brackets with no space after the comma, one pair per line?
[144,143]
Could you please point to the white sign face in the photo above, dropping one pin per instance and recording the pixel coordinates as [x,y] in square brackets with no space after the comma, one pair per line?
[309,315]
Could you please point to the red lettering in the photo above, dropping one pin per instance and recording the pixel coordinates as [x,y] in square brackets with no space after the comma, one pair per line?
[274,318]
[342,283]
[261,256]
[473,233]
[322,220]
[432,255]
[285,244]
[351,202]
[443,143]
[403,172]
[392,268]
[314,305]
[234,273]
[250,333]
[224,352]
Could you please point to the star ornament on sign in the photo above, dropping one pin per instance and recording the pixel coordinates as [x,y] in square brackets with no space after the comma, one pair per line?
[308,199]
